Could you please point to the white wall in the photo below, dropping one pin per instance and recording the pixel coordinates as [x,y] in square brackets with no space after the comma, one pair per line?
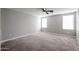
[54,24]
[77,26]
[0,23]
[16,24]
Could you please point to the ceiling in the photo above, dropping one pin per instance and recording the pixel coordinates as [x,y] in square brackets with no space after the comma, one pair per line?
[38,11]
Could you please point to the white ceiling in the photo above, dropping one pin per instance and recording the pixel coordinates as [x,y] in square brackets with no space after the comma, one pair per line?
[38,11]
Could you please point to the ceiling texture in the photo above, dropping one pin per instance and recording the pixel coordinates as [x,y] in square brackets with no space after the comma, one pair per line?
[39,12]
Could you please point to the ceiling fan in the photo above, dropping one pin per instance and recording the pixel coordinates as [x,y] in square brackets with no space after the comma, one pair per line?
[47,11]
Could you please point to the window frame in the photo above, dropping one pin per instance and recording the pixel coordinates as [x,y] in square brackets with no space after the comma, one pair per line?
[42,23]
[73,21]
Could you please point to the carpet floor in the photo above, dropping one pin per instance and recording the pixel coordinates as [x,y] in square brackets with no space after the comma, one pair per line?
[41,42]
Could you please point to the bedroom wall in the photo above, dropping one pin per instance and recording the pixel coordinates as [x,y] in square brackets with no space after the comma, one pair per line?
[77,26]
[0,23]
[15,24]
[54,24]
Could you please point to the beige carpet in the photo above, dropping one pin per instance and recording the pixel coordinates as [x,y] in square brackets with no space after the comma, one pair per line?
[41,42]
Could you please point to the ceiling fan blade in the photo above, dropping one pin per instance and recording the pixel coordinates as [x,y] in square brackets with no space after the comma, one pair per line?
[47,13]
[51,10]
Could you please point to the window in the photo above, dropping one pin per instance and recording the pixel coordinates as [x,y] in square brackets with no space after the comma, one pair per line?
[44,22]
[68,22]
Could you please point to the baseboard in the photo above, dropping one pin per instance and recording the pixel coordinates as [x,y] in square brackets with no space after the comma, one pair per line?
[17,37]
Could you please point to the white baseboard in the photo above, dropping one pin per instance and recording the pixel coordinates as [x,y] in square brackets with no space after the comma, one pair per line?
[16,37]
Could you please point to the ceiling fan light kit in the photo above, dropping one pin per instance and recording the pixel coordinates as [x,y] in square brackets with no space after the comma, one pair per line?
[47,11]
